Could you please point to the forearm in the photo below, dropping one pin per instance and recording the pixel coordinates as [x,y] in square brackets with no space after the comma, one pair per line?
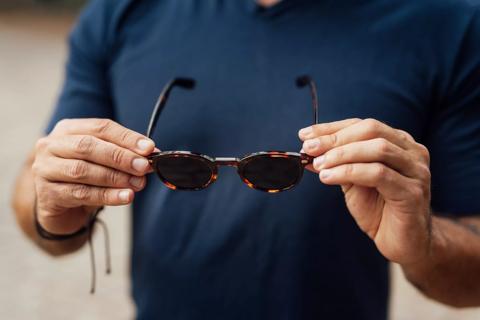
[23,202]
[450,274]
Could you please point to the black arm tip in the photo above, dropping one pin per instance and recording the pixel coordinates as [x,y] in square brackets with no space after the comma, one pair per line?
[302,81]
[186,83]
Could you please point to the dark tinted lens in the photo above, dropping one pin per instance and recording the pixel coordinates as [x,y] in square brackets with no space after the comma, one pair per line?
[184,172]
[272,173]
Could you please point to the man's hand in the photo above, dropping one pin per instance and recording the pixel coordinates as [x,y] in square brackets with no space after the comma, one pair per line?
[385,177]
[84,164]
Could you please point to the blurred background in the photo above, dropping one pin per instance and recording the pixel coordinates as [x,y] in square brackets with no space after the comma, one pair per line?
[33,285]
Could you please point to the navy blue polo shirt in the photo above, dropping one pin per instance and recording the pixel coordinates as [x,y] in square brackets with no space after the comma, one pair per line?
[230,252]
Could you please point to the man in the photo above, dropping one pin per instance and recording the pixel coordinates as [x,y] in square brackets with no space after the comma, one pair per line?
[409,171]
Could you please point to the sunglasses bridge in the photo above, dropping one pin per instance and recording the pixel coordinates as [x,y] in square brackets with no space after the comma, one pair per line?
[233,162]
[230,162]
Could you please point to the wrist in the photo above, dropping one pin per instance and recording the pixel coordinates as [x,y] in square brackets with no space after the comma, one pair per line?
[64,232]
[417,272]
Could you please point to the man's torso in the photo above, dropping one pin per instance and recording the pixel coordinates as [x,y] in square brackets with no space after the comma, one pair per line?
[228,251]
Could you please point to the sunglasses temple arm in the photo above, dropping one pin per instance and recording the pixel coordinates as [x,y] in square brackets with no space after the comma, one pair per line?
[303,81]
[185,83]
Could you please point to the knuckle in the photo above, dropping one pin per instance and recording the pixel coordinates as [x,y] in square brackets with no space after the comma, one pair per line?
[425,173]
[46,193]
[52,191]
[424,153]
[39,171]
[41,144]
[337,156]
[125,136]
[114,177]
[80,192]
[62,125]
[381,171]
[382,146]
[84,145]
[36,168]
[349,169]
[40,189]
[78,170]
[333,139]
[325,127]
[118,156]
[405,135]
[39,168]
[316,128]
[405,138]
[104,195]
[372,125]
[101,126]
[418,192]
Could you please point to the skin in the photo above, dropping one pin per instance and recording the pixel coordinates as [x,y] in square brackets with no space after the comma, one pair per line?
[385,177]
[267,3]
[82,165]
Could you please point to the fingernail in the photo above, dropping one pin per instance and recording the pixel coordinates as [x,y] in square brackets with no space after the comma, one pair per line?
[317,162]
[144,144]
[140,164]
[305,131]
[325,173]
[311,144]
[136,182]
[124,195]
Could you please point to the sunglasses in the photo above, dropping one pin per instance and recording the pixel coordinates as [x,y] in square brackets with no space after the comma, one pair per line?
[269,171]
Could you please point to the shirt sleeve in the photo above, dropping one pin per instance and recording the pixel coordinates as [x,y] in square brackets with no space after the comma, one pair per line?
[85,92]
[454,132]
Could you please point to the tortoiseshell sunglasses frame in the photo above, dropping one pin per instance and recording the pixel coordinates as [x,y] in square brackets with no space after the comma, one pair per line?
[239,163]
[213,163]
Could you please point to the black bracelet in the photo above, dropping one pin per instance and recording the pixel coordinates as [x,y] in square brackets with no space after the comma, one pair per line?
[44,234]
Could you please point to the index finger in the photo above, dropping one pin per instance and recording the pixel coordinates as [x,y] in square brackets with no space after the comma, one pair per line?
[322,129]
[367,129]
[107,130]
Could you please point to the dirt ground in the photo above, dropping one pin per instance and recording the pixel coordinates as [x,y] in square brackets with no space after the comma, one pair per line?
[35,286]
